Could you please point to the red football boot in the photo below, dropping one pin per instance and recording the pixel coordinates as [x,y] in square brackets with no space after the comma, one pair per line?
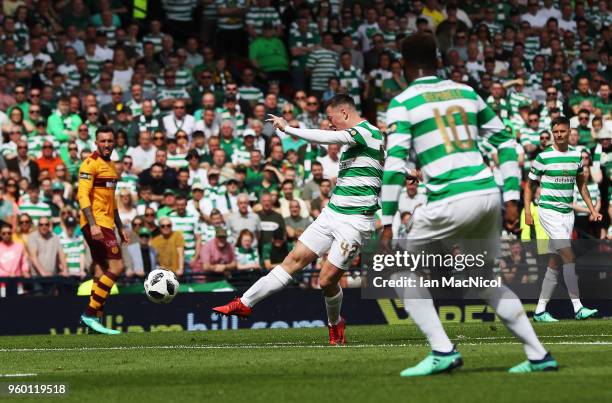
[235,307]
[336,333]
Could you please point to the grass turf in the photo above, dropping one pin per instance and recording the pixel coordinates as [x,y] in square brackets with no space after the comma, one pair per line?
[295,365]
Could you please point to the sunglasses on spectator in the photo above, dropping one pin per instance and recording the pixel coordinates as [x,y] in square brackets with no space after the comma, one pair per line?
[22,147]
[83,129]
[34,110]
[182,136]
[165,226]
[7,232]
[92,113]
[25,222]
[137,224]
[534,120]
[34,95]
[583,118]
[149,215]
[20,92]
[44,224]
[179,107]
[158,138]
[312,103]
[11,185]
[115,93]
[551,93]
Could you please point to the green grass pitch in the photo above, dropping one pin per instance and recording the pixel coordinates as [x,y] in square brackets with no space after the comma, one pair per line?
[296,365]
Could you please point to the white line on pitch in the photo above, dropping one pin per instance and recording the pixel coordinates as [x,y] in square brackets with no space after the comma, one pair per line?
[271,346]
[16,375]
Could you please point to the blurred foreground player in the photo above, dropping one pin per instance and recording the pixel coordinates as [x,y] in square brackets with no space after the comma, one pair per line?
[99,217]
[343,226]
[439,120]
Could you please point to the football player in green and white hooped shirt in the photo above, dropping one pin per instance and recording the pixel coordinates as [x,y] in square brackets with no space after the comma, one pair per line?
[558,169]
[189,225]
[439,119]
[346,222]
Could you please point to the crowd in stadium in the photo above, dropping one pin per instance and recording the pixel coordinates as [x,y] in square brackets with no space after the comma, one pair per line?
[207,185]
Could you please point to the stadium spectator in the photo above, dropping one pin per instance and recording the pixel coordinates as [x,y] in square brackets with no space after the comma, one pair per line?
[296,222]
[217,256]
[13,256]
[170,247]
[274,252]
[143,256]
[247,257]
[46,253]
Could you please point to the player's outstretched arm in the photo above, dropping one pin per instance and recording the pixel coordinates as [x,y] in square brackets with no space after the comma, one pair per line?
[313,135]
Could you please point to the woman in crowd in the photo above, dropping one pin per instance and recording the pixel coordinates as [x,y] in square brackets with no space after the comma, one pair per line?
[247,256]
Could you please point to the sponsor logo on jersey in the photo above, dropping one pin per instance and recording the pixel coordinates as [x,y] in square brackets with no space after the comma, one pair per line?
[85,175]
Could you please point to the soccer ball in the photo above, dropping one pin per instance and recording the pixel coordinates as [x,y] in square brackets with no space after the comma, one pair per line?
[161,286]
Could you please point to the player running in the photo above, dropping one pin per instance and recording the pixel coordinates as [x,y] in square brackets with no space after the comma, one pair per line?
[99,216]
[558,169]
[437,119]
[346,222]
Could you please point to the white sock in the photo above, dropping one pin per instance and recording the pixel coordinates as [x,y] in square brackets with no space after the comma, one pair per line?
[274,281]
[510,311]
[424,314]
[548,287]
[571,283]
[333,305]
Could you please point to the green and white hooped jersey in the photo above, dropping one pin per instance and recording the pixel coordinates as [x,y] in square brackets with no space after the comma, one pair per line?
[440,119]
[360,176]
[189,226]
[73,248]
[557,172]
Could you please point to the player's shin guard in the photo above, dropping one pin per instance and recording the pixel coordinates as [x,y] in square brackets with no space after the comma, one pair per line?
[100,291]
[273,282]
[571,282]
[509,309]
[333,306]
[548,287]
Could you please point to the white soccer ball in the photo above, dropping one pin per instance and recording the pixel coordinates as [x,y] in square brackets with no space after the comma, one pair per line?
[161,286]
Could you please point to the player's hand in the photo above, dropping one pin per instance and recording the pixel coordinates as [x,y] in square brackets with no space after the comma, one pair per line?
[277,121]
[96,233]
[528,219]
[124,236]
[596,217]
[511,215]
[385,239]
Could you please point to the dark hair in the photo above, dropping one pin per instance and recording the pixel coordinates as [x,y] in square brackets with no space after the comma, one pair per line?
[105,129]
[341,99]
[561,120]
[420,50]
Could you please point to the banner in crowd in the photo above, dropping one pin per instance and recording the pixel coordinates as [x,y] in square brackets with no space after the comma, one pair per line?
[192,312]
